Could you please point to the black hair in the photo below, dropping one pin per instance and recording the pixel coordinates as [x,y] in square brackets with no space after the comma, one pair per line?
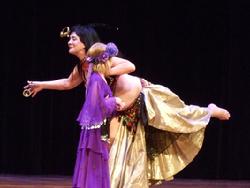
[87,34]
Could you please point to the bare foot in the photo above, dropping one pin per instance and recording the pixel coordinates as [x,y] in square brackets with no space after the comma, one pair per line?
[217,112]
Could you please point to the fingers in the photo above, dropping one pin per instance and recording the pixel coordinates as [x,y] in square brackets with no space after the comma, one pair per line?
[29,84]
[120,106]
[145,83]
[31,88]
[33,94]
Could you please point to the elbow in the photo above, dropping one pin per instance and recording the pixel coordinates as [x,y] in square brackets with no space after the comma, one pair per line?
[67,85]
[70,84]
[130,67]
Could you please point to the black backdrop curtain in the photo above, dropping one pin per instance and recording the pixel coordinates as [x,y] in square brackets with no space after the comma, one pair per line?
[199,49]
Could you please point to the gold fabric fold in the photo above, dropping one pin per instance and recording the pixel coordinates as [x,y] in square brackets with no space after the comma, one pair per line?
[128,159]
[166,111]
[164,165]
[157,151]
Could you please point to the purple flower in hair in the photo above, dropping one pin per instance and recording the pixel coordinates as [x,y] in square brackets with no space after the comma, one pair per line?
[111,49]
[103,57]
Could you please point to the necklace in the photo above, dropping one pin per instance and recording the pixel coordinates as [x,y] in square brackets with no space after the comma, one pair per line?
[82,60]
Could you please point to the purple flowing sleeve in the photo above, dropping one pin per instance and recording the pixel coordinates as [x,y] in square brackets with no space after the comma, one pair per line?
[99,103]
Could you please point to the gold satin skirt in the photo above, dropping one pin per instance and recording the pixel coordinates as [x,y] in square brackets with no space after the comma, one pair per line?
[158,151]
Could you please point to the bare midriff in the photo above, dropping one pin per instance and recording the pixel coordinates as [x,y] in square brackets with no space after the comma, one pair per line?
[127,88]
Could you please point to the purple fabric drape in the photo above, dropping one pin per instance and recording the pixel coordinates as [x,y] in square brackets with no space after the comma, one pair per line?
[99,102]
[91,168]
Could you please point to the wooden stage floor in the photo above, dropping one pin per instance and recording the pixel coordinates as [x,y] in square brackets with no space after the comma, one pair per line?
[19,181]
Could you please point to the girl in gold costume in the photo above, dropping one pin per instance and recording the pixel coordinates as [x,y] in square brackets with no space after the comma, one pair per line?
[156,136]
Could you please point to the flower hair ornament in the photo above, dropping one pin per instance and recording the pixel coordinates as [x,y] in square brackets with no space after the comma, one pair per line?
[110,51]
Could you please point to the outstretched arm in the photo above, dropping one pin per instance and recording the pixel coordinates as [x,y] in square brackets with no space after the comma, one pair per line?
[72,81]
[119,66]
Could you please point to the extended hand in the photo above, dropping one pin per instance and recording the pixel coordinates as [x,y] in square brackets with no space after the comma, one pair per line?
[119,104]
[33,87]
[144,82]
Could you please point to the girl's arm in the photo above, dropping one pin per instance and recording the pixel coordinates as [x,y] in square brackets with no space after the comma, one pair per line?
[121,66]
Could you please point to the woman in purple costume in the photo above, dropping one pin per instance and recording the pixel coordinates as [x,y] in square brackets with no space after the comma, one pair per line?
[81,38]
[91,169]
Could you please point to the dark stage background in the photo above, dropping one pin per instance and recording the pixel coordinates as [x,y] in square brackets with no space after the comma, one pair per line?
[199,49]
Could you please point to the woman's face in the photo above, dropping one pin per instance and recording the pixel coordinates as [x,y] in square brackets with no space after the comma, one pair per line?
[75,45]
